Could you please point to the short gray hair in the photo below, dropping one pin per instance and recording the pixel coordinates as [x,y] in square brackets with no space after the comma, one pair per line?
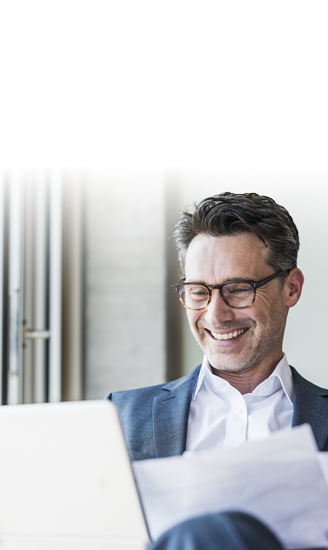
[231,214]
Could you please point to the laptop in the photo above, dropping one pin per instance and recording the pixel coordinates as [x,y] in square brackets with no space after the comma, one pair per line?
[66,481]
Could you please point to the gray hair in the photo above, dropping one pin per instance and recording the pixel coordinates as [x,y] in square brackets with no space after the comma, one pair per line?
[231,214]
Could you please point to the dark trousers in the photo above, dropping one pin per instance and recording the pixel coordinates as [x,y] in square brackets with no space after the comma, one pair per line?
[224,531]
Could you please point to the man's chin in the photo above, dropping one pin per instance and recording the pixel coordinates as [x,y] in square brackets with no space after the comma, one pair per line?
[226,363]
[233,369]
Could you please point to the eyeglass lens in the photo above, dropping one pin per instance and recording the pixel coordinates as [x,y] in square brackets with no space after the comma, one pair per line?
[196,296]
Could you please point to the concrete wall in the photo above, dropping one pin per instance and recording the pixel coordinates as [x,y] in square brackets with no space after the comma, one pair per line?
[124,271]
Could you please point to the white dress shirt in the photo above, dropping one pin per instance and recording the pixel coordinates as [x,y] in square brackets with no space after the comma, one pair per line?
[220,416]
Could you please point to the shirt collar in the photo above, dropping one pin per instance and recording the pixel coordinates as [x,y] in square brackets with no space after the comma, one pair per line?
[280,377]
[283,373]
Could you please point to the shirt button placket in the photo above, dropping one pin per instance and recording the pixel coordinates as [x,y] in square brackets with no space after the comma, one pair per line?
[237,421]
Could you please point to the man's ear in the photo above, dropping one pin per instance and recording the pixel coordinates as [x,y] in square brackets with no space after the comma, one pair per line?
[293,287]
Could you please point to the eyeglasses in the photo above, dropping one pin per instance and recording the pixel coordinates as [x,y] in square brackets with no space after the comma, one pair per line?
[237,294]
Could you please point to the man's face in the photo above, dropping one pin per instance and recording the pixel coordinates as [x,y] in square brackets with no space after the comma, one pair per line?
[215,260]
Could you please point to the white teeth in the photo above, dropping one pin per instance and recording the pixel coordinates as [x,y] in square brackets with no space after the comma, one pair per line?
[228,336]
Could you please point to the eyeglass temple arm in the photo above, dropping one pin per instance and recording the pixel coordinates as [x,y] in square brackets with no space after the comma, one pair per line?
[268,279]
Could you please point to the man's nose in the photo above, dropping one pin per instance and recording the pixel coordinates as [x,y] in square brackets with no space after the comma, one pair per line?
[217,311]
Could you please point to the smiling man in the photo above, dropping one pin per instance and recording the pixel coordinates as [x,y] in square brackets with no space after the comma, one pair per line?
[241,328]
[238,255]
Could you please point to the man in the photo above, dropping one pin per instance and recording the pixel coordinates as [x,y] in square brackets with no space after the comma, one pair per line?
[238,254]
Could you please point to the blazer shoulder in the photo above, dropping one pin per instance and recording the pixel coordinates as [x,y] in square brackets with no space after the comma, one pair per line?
[304,384]
[141,396]
[135,394]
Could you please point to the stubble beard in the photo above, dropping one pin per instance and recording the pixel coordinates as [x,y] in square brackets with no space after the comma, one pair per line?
[256,354]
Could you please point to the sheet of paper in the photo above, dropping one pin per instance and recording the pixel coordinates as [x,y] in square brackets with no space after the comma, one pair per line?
[278,480]
[323,461]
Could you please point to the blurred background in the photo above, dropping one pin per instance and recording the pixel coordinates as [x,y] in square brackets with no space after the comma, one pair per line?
[114,116]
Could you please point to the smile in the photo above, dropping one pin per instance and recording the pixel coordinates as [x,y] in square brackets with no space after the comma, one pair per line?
[229,336]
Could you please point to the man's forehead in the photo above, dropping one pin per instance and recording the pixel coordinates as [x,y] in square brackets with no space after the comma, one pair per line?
[242,255]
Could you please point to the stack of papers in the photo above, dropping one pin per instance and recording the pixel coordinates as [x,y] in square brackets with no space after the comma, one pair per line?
[282,480]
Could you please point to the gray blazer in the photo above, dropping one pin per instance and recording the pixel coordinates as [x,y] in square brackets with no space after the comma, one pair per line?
[155,419]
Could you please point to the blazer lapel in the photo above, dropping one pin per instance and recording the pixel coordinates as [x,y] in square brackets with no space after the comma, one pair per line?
[311,406]
[170,416]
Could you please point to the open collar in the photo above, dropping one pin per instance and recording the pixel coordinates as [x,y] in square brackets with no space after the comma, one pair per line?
[171,412]
[281,376]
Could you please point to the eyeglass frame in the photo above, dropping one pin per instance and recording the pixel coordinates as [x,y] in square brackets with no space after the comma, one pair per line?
[254,284]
